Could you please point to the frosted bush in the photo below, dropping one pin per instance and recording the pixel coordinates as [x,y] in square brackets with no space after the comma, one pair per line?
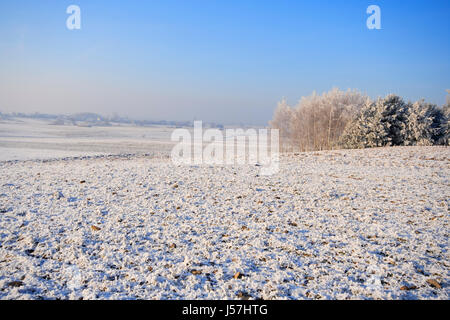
[425,126]
[392,122]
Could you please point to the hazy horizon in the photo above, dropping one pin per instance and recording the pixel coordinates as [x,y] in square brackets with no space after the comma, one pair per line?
[228,62]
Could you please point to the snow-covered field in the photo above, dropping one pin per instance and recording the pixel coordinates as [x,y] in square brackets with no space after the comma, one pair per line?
[336,224]
[29,139]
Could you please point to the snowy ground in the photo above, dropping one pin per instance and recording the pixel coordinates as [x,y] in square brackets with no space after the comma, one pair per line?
[338,224]
[29,139]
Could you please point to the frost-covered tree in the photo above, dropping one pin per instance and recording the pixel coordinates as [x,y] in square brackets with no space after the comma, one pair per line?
[377,124]
[339,108]
[392,122]
[317,121]
[365,130]
[282,119]
[426,125]
[348,119]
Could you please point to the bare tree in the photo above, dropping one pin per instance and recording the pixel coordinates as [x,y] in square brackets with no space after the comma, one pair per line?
[282,121]
[317,121]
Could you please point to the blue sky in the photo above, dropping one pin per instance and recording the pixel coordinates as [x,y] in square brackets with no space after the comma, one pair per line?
[223,61]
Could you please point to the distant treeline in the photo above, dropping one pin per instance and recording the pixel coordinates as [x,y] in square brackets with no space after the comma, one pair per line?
[94,119]
[349,119]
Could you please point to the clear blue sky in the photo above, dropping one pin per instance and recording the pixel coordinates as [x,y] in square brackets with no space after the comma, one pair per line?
[224,61]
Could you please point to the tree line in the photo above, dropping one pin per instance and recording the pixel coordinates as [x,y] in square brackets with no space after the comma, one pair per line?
[349,119]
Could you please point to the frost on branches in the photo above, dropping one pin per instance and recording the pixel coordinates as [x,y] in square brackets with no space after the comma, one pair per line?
[349,119]
[426,125]
[317,121]
[392,122]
